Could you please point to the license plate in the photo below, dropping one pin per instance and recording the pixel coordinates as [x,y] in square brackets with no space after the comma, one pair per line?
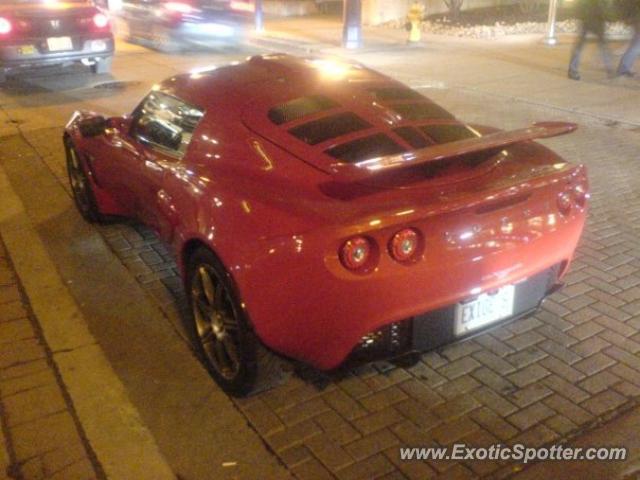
[27,50]
[484,309]
[58,44]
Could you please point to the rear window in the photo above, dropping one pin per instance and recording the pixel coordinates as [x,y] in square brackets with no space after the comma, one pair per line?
[447,133]
[365,148]
[421,111]
[395,93]
[329,127]
[300,107]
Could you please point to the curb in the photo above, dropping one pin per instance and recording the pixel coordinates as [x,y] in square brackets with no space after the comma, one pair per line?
[111,423]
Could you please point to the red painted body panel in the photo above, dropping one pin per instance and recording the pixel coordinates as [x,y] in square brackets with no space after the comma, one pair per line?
[276,215]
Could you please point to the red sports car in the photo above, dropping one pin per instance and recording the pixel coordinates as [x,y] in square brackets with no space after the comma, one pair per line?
[331,213]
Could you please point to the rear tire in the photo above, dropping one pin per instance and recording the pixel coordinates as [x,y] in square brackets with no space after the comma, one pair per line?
[256,368]
[81,188]
[102,66]
[222,337]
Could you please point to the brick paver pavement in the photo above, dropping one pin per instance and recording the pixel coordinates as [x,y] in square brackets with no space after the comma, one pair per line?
[41,437]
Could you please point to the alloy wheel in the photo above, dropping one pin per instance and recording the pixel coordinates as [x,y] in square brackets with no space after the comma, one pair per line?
[216,323]
[78,181]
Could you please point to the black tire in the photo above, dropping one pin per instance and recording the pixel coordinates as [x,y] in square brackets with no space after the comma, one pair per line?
[3,77]
[81,188]
[257,369]
[102,66]
[222,336]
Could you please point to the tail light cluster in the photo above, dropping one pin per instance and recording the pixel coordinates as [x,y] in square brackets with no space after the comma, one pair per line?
[573,195]
[100,20]
[361,253]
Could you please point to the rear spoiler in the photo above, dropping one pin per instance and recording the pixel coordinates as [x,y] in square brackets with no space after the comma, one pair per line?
[367,168]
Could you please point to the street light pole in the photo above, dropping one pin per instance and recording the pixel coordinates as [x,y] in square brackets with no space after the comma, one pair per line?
[258,16]
[551,38]
[352,24]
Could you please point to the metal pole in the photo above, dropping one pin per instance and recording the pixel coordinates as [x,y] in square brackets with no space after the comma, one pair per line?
[352,24]
[258,16]
[551,38]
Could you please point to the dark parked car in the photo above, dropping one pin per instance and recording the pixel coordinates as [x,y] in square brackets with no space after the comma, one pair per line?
[171,26]
[49,32]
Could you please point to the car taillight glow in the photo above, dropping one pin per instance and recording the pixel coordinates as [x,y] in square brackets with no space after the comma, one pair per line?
[564,203]
[355,253]
[100,20]
[5,26]
[580,195]
[404,245]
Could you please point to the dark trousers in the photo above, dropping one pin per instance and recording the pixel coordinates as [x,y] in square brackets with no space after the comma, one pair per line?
[626,62]
[579,46]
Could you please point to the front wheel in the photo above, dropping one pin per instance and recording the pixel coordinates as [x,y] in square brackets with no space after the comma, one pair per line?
[81,188]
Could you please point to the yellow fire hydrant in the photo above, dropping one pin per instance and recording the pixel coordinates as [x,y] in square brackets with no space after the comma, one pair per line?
[414,19]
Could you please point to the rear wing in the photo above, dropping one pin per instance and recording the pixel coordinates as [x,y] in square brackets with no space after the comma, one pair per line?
[367,168]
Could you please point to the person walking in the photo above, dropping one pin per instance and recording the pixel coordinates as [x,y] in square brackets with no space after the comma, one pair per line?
[630,10]
[592,17]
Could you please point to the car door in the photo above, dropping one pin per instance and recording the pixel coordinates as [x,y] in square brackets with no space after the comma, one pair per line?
[161,130]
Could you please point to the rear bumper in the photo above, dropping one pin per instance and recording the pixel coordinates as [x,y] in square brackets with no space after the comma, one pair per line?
[434,329]
[33,52]
[303,303]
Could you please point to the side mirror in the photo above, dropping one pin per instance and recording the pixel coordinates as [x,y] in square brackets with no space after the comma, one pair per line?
[93,126]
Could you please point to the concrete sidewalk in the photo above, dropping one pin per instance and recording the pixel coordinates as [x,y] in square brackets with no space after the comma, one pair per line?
[41,436]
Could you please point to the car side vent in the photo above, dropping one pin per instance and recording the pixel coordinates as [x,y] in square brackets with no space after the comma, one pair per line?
[421,111]
[323,129]
[300,107]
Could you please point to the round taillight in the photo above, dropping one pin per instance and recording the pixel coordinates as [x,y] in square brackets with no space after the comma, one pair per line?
[564,203]
[580,195]
[404,245]
[100,20]
[5,26]
[355,253]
